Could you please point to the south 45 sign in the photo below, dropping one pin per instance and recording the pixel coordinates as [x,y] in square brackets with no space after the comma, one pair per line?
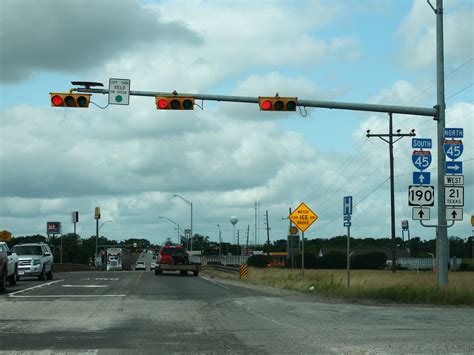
[453,148]
[421,159]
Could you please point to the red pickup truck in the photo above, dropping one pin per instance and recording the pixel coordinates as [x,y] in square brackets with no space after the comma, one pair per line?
[175,258]
[3,270]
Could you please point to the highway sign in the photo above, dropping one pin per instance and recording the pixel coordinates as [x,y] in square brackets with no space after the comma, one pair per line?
[5,236]
[347,224]
[421,195]
[453,133]
[421,143]
[421,159]
[303,217]
[454,195]
[420,178]
[453,167]
[347,205]
[347,217]
[454,214]
[119,91]
[453,148]
[420,213]
[454,179]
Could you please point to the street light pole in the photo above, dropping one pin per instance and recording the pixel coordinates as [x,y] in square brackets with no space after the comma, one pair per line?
[177,224]
[97,236]
[220,242]
[191,204]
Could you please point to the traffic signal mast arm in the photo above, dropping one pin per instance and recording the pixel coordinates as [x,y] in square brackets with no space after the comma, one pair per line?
[407,110]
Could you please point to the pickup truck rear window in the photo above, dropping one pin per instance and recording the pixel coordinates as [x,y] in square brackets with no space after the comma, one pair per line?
[172,251]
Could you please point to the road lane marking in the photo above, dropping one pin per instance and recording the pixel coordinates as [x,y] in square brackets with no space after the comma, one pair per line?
[215,283]
[85,286]
[68,296]
[34,287]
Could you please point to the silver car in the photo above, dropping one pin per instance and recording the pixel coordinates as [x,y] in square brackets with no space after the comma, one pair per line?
[34,259]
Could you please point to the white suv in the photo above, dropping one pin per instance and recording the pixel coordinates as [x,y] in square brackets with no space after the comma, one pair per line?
[34,259]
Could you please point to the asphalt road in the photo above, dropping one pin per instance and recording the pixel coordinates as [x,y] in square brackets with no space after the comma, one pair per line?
[121,312]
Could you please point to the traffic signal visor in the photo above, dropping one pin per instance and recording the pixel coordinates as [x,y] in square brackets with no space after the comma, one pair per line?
[277,103]
[174,103]
[60,99]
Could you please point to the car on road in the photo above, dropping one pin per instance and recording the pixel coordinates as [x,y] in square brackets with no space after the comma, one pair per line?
[12,263]
[175,258]
[34,259]
[140,265]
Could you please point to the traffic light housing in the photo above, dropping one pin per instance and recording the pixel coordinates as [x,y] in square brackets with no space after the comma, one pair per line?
[61,99]
[174,102]
[276,103]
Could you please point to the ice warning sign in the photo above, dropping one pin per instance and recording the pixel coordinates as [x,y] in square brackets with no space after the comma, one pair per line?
[303,217]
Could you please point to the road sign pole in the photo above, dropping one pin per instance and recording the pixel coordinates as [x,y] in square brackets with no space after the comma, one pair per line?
[302,255]
[348,257]
[442,231]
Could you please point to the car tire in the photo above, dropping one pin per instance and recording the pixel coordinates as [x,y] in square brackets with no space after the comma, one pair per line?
[14,278]
[195,273]
[3,281]
[42,276]
[183,273]
[49,275]
[157,272]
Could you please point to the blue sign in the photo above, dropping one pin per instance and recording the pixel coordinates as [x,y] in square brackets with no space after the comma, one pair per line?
[347,217]
[347,205]
[453,133]
[347,224]
[453,148]
[421,159]
[421,143]
[421,178]
[453,167]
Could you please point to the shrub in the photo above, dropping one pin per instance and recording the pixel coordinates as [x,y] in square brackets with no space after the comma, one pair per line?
[369,261]
[258,261]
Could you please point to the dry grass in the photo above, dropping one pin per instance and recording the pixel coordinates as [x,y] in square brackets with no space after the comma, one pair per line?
[403,286]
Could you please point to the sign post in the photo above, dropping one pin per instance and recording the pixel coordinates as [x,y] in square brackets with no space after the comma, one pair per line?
[347,209]
[303,218]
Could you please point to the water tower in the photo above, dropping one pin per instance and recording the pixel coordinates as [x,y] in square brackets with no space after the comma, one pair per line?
[233,220]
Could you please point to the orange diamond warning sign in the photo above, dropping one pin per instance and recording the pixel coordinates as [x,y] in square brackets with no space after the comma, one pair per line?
[303,217]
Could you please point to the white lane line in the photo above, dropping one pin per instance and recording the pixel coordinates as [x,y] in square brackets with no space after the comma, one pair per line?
[84,286]
[215,283]
[34,287]
[67,296]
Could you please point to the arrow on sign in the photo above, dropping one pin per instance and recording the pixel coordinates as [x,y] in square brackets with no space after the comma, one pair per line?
[421,214]
[453,167]
[454,214]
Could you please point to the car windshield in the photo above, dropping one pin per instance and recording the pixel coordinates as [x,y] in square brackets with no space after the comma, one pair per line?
[27,250]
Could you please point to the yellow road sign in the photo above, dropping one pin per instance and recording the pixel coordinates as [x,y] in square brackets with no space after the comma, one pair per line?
[303,217]
[5,236]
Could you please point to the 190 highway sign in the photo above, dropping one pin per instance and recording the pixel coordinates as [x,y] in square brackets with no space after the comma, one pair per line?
[421,195]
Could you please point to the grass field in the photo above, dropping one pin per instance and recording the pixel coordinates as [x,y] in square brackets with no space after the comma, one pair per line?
[401,287]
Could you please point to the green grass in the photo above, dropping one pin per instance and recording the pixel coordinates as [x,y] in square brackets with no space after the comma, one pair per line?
[384,286]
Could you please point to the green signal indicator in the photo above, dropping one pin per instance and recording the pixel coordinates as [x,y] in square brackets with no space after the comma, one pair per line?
[118,98]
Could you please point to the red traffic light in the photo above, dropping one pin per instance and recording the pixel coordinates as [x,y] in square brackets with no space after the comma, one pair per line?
[277,103]
[69,100]
[174,103]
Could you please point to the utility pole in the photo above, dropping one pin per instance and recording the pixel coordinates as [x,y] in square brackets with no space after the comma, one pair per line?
[268,234]
[247,246]
[390,142]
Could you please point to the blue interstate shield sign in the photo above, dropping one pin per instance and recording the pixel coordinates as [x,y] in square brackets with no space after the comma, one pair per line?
[453,148]
[421,159]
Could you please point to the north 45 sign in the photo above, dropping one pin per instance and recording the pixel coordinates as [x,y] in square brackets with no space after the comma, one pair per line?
[453,148]
[421,195]
[421,159]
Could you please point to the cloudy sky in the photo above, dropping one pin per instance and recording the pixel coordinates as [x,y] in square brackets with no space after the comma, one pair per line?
[225,157]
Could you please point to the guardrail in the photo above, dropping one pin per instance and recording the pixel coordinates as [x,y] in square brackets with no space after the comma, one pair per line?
[225,260]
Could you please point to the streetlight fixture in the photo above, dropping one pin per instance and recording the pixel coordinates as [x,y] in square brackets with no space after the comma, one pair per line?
[190,204]
[97,238]
[175,223]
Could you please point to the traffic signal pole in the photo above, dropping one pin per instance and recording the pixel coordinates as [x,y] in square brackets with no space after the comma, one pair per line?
[437,112]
